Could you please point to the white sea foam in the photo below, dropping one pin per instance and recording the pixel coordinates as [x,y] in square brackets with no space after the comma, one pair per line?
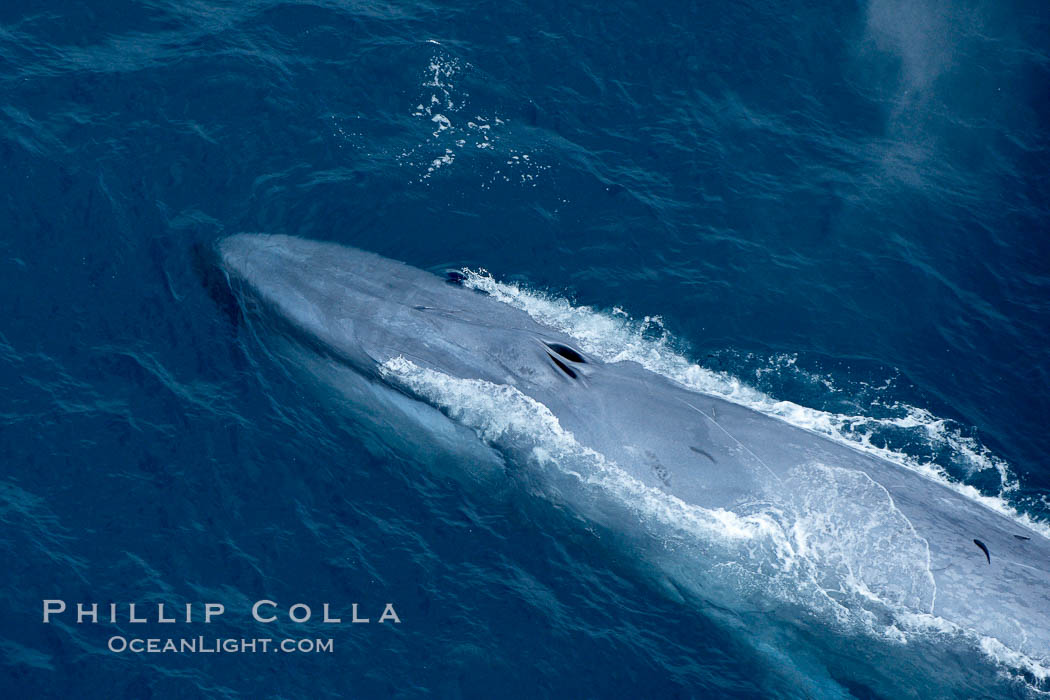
[857,571]
[750,553]
[835,544]
[443,105]
[1009,661]
[503,415]
[615,337]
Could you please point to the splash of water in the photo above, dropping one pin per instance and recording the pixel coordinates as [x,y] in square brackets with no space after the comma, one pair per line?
[616,337]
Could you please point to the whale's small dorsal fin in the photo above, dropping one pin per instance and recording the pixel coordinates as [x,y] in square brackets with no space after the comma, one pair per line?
[984,548]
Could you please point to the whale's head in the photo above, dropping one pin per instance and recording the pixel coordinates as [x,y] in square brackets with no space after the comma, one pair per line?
[365,310]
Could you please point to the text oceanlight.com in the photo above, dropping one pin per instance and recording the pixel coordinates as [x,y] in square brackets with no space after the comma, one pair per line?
[203,645]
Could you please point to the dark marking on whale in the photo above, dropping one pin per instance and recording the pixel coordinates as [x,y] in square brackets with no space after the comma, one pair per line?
[984,548]
[658,468]
[704,453]
[1022,537]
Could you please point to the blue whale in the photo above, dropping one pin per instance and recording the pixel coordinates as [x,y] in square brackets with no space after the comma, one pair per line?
[734,506]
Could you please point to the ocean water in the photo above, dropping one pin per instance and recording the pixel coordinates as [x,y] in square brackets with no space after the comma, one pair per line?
[836,213]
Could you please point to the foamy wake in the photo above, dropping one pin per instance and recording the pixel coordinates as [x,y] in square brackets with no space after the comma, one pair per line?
[835,546]
[518,425]
[760,543]
[615,337]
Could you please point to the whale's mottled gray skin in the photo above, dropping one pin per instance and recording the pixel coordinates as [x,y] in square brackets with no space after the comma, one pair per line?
[357,310]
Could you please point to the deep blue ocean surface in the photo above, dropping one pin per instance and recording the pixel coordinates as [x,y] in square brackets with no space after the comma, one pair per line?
[841,206]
